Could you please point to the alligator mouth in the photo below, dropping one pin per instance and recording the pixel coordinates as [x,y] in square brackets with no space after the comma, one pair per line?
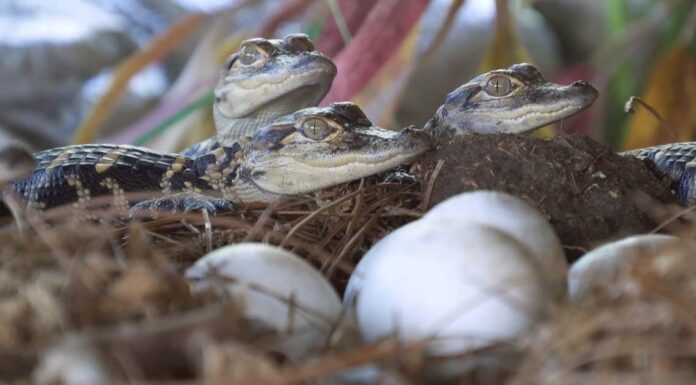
[293,174]
[301,97]
[276,94]
[584,98]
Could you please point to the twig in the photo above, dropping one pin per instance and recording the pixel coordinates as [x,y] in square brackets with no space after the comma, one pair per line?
[261,222]
[672,219]
[431,185]
[349,245]
[314,214]
[354,218]
[208,231]
[629,107]
[682,308]
[340,21]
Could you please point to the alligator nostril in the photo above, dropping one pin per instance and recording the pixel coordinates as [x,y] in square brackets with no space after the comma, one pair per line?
[580,83]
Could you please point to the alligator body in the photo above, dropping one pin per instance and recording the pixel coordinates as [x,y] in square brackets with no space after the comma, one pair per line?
[678,162]
[303,152]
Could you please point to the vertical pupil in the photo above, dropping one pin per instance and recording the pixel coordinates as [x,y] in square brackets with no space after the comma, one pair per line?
[248,55]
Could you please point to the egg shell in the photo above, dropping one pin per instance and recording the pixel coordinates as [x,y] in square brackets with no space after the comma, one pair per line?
[516,218]
[277,287]
[72,360]
[462,284]
[600,267]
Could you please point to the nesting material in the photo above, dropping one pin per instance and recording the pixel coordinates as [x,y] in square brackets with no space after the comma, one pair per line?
[71,277]
[643,335]
[67,277]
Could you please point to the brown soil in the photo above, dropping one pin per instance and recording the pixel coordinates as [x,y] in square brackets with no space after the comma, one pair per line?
[587,191]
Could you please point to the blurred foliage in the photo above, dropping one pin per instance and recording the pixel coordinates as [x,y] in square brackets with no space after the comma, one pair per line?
[673,95]
[158,48]
[506,47]
[668,80]
[648,51]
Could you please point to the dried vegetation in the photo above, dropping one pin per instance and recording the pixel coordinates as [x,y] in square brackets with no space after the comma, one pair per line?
[112,296]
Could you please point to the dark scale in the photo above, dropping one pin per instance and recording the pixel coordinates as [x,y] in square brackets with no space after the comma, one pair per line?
[676,161]
[62,174]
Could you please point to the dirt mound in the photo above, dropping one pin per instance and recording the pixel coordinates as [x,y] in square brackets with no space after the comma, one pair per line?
[587,191]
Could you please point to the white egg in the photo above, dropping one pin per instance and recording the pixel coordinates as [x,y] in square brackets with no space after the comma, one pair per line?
[461,285]
[276,287]
[600,267]
[72,360]
[518,219]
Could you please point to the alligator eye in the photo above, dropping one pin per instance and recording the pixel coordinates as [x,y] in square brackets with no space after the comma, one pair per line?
[230,61]
[249,55]
[300,41]
[315,129]
[499,86]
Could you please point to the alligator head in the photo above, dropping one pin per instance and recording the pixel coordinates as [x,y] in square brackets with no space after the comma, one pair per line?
[266,79]
[513,100]
[320,147]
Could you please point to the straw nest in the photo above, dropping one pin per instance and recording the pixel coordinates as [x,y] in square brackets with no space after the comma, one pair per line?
[87,289]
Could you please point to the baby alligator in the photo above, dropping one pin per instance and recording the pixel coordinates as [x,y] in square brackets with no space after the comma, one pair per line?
[266,79]
[303,152]
[518,99]
[513,100]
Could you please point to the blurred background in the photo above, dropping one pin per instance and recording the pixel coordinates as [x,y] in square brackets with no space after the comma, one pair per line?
[142,71]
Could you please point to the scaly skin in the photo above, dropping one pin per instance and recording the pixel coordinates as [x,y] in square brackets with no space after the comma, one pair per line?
[311,149]
[677,161]
[301,152]
[266,79]
[513,100]
[519,99]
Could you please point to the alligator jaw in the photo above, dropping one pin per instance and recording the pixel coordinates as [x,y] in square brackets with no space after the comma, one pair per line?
[531,102]
[244,95]
[281,161]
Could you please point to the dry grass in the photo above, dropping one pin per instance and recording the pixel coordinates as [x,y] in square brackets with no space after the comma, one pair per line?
[641,329]
[118,291]
[64,277]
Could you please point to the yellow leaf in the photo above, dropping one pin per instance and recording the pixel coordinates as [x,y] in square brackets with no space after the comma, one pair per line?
[158,48]
[671,90]
[505,48]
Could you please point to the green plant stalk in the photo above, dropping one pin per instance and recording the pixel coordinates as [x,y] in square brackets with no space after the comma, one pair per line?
[204,101]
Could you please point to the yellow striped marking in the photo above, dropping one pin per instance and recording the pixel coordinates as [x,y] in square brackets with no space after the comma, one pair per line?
[219,153]
[108,160]
[59,160]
